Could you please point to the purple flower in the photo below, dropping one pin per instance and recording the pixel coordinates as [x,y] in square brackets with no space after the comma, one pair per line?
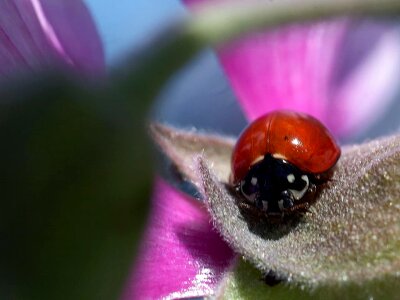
[181,250]
[37,34]
[342,71]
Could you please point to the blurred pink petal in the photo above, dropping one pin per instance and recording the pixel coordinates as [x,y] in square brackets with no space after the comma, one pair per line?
[364,82]
[286,68]
[181,256]
[296,67]
[36,34]
[343,72]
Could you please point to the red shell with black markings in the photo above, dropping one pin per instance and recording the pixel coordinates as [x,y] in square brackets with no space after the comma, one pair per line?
[295,137]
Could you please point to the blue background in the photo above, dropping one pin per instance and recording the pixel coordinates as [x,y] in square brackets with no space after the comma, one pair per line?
[125,24]
[197,96]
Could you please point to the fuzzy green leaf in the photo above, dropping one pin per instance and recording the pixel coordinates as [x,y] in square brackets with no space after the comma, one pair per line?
[181,146]
[351,234]
[74,191]
[246,282]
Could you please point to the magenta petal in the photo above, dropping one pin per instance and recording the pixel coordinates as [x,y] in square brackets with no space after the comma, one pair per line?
[181,256]
[294,68]
[40,33]
[287,68]
[365,80]
[76,32]
[343,72]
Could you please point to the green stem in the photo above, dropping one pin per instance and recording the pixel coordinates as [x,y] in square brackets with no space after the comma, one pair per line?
[216,24]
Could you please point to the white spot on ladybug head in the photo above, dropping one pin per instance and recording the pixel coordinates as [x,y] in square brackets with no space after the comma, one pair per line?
[291,178]
[254,180]
[299,194]
[305,178]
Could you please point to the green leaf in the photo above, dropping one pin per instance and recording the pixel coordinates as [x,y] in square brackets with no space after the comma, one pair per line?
[246,282]
[181,146]
[348,241]
[74,188]
[351,233]
[218,23]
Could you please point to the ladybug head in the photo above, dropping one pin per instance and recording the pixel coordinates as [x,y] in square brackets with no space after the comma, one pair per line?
[274,185]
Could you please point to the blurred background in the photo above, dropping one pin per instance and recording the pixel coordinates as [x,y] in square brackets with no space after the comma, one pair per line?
[188,96]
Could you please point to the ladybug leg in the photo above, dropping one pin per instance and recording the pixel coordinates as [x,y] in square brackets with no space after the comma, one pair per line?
[302,207]
[288,204]
[312,189]
[250,209]
[308,199]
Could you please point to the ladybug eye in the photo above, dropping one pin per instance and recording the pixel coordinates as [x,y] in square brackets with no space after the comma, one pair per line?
[250,188]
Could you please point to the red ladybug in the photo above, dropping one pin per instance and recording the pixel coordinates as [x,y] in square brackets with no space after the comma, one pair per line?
[279,158]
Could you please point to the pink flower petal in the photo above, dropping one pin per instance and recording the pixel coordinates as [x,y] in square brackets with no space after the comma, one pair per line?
[287,68]
[294,68]
[297,67]
[361,94]
[40,33]
[181,256]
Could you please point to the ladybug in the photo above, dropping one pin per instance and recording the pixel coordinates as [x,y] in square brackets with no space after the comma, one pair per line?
[279,160]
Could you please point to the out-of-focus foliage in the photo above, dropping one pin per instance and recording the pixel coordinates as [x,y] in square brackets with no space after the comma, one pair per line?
[75,174]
